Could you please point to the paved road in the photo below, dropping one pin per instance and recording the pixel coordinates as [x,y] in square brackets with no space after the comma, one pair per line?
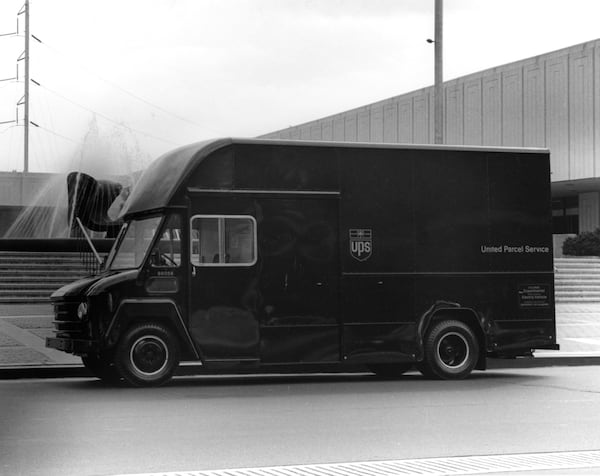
[81,427]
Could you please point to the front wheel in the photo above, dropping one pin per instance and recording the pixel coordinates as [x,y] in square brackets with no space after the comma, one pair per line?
[451,351]
[147,355]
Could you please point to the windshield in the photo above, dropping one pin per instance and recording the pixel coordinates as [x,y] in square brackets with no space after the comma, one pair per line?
[135,239]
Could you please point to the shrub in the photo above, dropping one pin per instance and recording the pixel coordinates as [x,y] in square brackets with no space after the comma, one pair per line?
[584,244]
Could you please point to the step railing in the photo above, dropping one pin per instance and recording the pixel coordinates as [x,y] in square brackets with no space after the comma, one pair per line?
[90,256]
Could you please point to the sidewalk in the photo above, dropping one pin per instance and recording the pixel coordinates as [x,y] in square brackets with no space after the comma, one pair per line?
[24,327]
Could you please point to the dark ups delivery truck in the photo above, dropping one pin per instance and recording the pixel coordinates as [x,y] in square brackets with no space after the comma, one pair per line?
[244,254]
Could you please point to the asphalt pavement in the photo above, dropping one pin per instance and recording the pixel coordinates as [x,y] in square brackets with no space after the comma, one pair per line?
[24,327]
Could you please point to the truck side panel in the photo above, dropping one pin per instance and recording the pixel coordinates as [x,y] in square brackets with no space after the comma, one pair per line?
[466,227]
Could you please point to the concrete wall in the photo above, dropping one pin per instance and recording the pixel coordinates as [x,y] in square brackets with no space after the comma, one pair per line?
[19,189]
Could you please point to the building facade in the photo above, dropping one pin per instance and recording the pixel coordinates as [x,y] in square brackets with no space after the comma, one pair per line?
[551,101]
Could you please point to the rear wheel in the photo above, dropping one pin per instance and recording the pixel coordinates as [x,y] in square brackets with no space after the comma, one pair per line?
[147,355]
[451,351]
[390,370]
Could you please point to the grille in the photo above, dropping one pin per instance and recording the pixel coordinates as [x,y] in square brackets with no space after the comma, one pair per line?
[66,322]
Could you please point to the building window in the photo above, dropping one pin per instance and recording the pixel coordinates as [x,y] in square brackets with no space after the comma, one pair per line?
[219,240]
[565,215]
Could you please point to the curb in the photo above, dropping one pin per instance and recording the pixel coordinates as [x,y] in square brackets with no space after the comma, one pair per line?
[79,371]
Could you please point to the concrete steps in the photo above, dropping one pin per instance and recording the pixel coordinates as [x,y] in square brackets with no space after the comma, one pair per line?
[27,277]
[577,280]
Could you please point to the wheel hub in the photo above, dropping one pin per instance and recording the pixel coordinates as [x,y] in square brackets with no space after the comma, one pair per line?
[453,350]
[149,355]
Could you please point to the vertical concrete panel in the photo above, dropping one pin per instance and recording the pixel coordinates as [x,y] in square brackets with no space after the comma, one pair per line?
[405,121]
[492,110]
[295,133]
[305,132]
[534,123]
[376,123]
[581,116]
[285,134]
[589,211]
[315,131]
[512,108]
[557,116]
[454,115]
[390,122]
[338,128]
[421,120]
[350,127]
[327,129]
[473,113]
[364,126]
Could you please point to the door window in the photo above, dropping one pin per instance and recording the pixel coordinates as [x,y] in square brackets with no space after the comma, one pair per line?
[167,250]
[223,240]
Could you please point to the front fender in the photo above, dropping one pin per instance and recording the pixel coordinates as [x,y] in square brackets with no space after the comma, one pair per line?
[132,311]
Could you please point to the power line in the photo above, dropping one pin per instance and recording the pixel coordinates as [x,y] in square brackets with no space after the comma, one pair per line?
[120,88]
[106,118]
[57,134]
[10,127]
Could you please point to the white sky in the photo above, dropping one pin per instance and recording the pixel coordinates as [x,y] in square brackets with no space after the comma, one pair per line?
[241,67]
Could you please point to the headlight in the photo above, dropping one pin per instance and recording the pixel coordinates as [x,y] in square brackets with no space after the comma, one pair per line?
[82,310]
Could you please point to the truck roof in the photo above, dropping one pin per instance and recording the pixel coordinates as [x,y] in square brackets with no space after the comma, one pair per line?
[165,175]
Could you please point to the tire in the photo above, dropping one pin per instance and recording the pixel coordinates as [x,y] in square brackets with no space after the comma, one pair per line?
[101,367]
[451,351]
[147,355]
[390,370]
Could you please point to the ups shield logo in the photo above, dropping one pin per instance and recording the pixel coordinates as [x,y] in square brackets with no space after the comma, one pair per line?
[361,243]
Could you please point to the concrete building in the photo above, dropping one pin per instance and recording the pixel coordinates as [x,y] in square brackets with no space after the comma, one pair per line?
[552,101]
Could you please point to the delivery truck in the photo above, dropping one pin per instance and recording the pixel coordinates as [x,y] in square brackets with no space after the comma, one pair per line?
[269,254]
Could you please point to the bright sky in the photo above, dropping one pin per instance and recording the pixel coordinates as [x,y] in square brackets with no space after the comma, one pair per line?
[121,82]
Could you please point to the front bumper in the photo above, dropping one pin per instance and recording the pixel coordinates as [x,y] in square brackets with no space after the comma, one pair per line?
[72,346]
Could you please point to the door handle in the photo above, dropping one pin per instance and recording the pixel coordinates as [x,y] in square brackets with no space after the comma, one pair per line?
[319,284]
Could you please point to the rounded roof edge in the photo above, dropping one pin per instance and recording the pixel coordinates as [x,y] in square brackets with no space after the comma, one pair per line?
[163,177]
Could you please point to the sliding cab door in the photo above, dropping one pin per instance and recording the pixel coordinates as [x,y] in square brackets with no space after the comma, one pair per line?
[224,296]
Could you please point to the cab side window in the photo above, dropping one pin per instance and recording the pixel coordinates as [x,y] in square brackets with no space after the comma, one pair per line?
[223,240]
[167,250]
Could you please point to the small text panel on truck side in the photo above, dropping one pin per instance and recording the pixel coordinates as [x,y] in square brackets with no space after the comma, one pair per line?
[258,254]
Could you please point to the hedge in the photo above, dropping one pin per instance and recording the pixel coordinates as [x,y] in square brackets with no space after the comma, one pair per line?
[584,244]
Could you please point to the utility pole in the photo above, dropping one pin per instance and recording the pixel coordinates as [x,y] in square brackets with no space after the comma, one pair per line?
[438,94]
[24,101]
[26,95]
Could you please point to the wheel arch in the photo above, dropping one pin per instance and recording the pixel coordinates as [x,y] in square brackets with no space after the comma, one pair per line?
[163,311]
[442,311]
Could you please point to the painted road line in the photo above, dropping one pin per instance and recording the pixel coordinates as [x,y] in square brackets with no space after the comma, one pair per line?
[426,466]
